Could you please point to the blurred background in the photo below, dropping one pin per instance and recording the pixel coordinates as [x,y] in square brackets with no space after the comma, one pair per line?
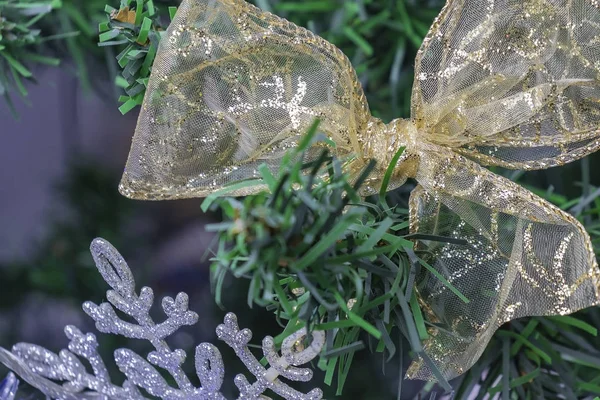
[64,146]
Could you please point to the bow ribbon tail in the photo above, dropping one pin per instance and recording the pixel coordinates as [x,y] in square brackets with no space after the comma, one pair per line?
[524,257]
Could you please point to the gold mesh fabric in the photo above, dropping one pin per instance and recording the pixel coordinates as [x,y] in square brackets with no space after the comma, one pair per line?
[231,88]
[524,257]
[511,82]
[498,82]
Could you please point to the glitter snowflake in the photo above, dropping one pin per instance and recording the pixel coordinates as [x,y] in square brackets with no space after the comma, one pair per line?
[64,375]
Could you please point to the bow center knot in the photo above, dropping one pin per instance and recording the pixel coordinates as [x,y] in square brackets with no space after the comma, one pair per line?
[385,140]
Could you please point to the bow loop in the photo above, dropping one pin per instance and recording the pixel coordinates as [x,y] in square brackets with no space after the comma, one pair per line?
[232,88]
[513,84]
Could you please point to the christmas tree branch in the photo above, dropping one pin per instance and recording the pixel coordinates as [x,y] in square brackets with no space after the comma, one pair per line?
[135,28]
[20,41]
[319,256]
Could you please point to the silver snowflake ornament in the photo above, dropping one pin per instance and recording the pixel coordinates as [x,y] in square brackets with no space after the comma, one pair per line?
[64,375]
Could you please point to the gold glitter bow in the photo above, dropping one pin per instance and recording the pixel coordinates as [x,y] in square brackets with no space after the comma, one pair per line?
[498,82]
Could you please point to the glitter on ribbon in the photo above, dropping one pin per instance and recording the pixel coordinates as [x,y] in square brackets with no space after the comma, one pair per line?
[501,83]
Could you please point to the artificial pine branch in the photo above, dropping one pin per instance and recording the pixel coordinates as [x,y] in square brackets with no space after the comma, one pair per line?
[135,27]
[20,42]
[319,256]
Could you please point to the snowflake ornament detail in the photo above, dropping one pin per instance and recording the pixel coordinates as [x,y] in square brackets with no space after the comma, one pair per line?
[63,376]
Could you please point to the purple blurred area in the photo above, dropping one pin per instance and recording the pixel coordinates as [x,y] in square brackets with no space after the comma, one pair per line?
[61,126]
[60,123]
[64,124]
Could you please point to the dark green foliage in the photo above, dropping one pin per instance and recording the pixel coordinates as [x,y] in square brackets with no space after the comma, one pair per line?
[49,31]
[318,255]
[20,42]
[81,17]
[313,247]
[135,29]
[87,18]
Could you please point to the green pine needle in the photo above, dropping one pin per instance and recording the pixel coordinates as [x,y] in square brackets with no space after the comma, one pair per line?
[135,29]
[309,234]
[20,43]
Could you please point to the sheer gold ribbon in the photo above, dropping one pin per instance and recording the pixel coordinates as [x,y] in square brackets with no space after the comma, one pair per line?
[498,82]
